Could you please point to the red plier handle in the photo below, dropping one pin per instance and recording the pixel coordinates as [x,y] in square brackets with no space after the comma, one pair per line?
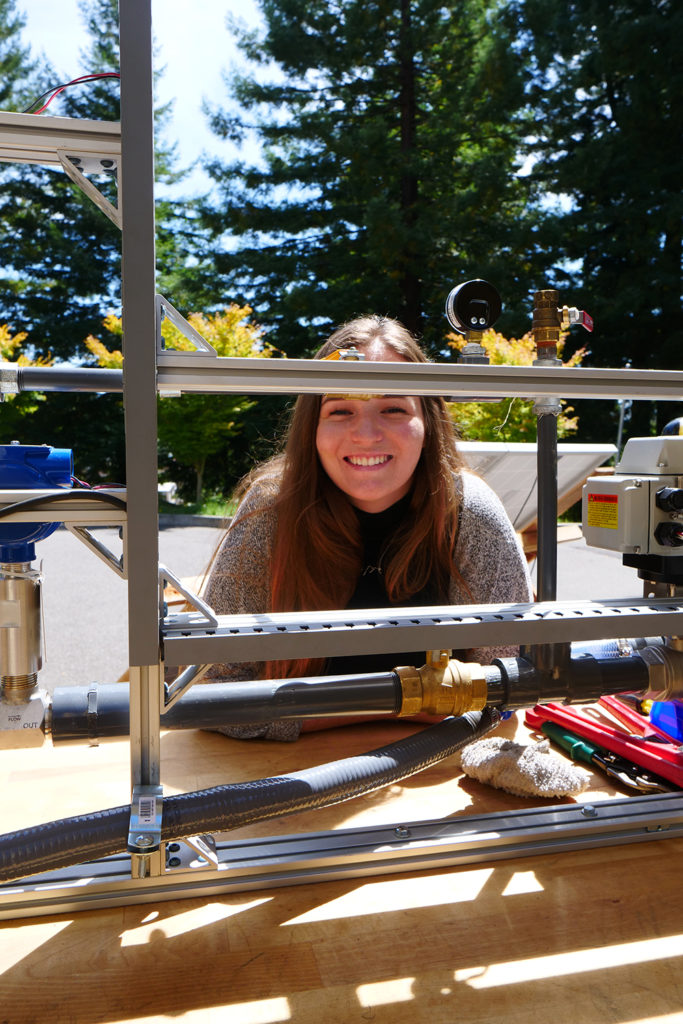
[636,722]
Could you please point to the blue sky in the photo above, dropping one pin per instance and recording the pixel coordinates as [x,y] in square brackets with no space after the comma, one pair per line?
[194,47]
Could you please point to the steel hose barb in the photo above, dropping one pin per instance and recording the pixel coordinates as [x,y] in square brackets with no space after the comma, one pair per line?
[443,686]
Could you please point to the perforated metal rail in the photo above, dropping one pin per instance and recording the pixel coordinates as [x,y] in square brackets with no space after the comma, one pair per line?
[187,637]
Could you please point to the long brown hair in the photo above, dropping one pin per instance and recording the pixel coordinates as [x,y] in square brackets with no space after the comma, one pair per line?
[317,553]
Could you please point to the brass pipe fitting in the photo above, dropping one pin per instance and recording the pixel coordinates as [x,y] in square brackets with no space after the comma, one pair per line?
[546,326]
[24,722]
[443,686]
[546,323]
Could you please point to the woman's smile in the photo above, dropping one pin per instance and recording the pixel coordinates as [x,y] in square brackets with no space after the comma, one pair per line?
[368,460]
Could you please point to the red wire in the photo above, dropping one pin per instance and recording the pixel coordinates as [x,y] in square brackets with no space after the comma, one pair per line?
[75,81]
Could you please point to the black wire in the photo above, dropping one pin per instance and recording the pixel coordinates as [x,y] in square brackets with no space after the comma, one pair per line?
[65,85]
[54,499]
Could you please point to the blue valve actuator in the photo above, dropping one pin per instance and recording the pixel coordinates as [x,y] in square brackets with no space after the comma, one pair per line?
[30,467]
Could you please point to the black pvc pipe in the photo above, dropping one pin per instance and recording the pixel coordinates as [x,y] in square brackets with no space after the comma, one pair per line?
[69,378]
[89,713]
[585,678]
[101,712]
[60,844]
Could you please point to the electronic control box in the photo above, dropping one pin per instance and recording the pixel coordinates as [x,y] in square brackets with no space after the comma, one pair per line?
[639,510]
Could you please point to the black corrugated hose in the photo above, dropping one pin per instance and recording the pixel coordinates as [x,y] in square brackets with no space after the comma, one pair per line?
[59,844]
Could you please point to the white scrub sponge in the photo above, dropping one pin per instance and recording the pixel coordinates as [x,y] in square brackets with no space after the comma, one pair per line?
[525,770]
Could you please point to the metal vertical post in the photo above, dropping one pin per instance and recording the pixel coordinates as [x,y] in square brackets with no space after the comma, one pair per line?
[546,469]
[546,332]
[139,381]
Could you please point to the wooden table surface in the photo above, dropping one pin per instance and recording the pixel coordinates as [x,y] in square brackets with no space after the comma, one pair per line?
[587,936]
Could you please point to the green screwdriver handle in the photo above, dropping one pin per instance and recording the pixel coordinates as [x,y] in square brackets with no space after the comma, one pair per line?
[577,748]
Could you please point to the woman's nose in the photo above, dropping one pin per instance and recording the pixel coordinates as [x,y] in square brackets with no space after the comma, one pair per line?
[367,426]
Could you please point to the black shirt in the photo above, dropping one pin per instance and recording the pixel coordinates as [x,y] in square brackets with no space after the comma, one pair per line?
[377,529]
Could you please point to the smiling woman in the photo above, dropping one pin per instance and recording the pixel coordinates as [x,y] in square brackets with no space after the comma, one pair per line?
[368,506]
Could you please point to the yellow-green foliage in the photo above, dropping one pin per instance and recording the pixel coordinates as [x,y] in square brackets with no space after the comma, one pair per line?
[10,349]
[193,427]
[9,344]
[228,332]
[513,419]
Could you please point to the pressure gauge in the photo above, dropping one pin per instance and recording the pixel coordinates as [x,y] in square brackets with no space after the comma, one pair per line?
[473,306]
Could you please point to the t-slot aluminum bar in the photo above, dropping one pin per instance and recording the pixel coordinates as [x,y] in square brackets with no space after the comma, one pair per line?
[136,192]
[26,138]
[241,638]
[80,508]
[145,707]
[257,864]
[546,560]
[185,372]
[202,372]
[139,323]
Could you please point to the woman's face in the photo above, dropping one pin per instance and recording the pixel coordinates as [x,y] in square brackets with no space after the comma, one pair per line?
[370,448]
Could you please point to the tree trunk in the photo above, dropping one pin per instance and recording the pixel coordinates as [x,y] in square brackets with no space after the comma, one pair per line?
[199,467]
[410,281]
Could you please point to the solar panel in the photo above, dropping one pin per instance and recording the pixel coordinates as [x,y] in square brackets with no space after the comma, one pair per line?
[510,469]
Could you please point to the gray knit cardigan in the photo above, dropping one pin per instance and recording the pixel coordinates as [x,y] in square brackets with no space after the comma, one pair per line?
[488,555]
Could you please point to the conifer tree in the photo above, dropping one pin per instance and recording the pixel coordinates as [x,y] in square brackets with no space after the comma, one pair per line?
[15,63]
[606,90]
[59,255]
[389,145]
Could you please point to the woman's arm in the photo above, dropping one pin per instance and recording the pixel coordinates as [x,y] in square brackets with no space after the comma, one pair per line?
[239,584]
[239,578]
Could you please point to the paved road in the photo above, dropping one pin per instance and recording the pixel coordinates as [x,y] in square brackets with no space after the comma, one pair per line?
[85,602]
[85,608]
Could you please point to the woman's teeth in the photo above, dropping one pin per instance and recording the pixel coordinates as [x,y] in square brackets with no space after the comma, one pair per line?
[367,460]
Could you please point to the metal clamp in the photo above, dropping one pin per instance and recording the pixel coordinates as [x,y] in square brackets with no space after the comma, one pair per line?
[144,834]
